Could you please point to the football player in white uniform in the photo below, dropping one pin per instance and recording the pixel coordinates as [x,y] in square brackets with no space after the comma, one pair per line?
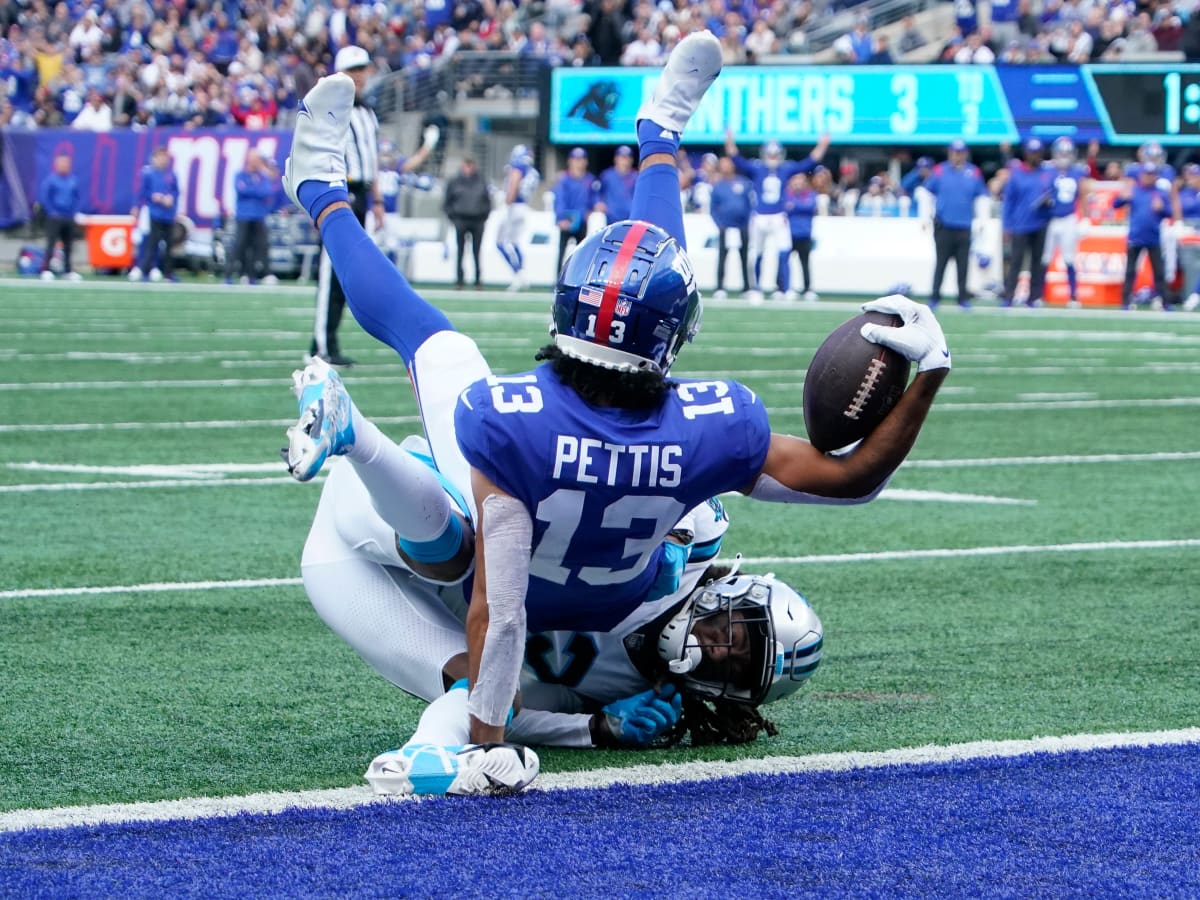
[728,642]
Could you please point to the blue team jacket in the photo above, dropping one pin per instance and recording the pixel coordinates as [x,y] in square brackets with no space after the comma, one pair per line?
[255,194]
[156,181]
[1028,198]
[1144,219]
[800,209]
[573,198]
[59,196]
[955,191]
[731,201]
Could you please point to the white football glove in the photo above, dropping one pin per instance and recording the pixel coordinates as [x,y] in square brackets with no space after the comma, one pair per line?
[919,338]
[429,137]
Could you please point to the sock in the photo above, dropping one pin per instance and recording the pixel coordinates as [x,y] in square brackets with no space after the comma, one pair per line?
[654,138]
[784,278]
[316,195]
[445,721]
[1071,280]
[407,494]
[656,199]
[520,258]
[380,298]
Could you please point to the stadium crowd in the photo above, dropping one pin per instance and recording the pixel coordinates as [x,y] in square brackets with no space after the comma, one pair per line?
[138,63]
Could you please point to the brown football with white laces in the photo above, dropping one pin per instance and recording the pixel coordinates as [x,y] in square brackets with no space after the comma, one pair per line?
[852,384]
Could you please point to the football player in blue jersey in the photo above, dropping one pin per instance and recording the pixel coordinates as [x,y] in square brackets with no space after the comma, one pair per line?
[577,471]
[520,181]
[700,660]
[1068,192]
[769,223]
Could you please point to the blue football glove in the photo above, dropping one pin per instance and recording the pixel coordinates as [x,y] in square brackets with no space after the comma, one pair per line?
[636,721]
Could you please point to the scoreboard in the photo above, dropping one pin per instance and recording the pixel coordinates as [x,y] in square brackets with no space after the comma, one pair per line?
[1115,104]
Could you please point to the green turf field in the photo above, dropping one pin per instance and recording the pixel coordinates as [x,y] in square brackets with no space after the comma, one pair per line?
[1054,491]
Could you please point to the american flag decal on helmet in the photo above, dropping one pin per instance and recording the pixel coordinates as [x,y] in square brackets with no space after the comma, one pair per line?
[591,295]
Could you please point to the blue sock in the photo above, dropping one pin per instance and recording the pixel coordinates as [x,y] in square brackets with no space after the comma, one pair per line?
[316,195]
[653,138]
[1071,283]
[783,279]
[381,299]
[520,257]
[503,248]
[656,200]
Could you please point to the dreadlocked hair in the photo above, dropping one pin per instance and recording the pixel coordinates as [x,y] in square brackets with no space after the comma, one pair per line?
[705,721]
[599,386]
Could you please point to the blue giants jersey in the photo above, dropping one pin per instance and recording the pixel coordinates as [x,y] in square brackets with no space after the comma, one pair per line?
[605,486]
[770,182]
[1065,189]
[530,177]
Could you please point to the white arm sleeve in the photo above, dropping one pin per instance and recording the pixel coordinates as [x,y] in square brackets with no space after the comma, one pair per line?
[550,729]
[507,539]
[767,488]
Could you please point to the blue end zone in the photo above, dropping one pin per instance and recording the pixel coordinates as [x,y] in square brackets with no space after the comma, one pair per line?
[1100,824]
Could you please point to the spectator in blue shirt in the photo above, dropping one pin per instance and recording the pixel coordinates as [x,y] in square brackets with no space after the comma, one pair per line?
[160,197]
[955,186]
[616,187]
[59,197]
[573,198]
[1026,205]
[1148,205]
[800,204]
[257,191]
[731,200]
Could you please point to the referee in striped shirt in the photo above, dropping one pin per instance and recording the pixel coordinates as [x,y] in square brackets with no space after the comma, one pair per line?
[362,167]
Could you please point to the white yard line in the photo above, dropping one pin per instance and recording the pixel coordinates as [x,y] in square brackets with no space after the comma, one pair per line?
[196,808]
[32,427]
[964,552]
[941,553]
[278,383]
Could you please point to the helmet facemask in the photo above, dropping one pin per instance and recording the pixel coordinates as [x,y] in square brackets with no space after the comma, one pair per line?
[724,643]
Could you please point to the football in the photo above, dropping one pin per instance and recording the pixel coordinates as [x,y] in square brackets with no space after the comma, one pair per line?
[851,384]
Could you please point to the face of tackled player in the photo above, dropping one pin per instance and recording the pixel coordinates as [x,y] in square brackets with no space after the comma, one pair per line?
[746,638]
[725,650]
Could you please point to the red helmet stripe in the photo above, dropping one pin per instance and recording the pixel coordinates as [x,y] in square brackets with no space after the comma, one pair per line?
[616,277]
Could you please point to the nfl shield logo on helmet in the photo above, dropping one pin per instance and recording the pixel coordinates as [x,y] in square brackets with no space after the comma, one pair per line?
[623,308]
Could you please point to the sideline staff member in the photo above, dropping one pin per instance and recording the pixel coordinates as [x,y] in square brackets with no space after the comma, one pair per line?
[955,185]
[362,167]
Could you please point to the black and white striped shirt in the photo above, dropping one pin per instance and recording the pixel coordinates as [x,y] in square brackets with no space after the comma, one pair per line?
[362,145]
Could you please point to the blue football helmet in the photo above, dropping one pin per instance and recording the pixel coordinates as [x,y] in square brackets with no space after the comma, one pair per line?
[520,156]
[1063,152]
[772,153]
[1152,152]
[767,640]
[626,299]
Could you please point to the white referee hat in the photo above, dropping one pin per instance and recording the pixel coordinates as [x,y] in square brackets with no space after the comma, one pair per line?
[351,58]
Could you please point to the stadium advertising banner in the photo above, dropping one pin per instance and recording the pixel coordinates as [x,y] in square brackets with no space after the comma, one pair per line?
[109,164]
[1115,104]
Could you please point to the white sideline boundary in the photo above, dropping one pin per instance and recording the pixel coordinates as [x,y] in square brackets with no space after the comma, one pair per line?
[197,808]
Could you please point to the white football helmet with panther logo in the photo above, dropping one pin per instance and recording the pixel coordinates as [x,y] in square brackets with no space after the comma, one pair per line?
[768,640]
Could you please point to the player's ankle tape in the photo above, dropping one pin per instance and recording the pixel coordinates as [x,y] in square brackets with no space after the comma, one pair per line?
[317,195]
[651,139]
[440,549]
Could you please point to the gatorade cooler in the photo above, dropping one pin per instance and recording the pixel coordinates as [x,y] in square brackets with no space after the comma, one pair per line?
[109,241]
